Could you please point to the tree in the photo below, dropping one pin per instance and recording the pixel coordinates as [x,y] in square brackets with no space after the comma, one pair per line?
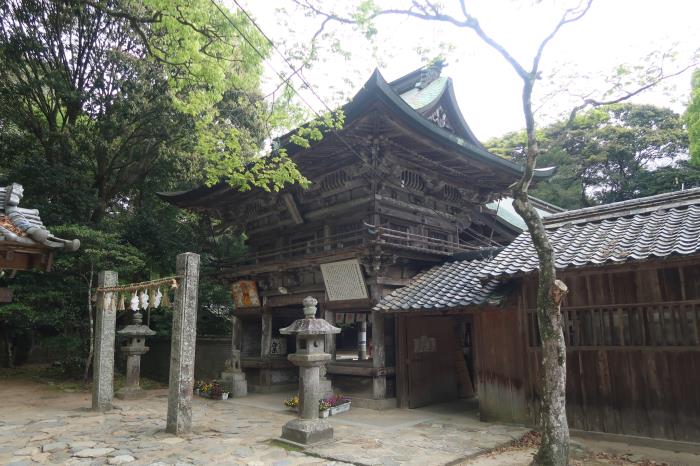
[114,88]
[607,154]
[693,118]
[554,449]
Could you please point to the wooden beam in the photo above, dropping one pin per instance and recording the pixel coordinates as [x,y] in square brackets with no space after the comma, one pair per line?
[292,208]
[359,369]
[357,304]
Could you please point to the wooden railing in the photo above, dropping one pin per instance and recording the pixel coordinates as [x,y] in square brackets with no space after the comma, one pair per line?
[369,234]
[419,242]
[664,324]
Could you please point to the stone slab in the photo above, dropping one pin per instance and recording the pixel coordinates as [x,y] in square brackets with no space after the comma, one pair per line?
[307,432]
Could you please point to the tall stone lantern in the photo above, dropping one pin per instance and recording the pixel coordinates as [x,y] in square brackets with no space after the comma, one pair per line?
[310,356]
[134,348]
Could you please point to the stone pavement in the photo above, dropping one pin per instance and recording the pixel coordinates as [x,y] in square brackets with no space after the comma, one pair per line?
[42,425]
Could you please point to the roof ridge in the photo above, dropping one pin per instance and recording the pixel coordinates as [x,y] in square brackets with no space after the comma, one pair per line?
[624,208]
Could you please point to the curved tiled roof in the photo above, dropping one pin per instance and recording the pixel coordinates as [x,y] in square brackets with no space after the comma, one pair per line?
[444,286]
[653,227]
[23,227]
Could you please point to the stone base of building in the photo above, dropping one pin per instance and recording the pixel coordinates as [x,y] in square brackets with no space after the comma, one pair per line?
[129,393]
[369,403]
[307,432]
[234,383]
[275,388]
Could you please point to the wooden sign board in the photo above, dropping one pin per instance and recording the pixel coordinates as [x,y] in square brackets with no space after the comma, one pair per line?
[245,294]
[5,295]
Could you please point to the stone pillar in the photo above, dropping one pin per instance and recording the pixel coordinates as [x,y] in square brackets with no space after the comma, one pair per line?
[184,338]
[309,392]
[362,340]
[233,377]
[103,357]
[378,356]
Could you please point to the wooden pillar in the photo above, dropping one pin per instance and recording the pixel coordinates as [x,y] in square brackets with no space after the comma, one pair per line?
[401,361]
[182,349]
[266,334]
[236,338]
[330,339]
[265,346]
[362,341]
[378,355]
[103,357]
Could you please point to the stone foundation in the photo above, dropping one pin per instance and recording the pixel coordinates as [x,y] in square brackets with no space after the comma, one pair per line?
[307,431]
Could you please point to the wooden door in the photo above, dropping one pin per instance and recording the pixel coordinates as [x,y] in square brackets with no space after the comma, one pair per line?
[431,347]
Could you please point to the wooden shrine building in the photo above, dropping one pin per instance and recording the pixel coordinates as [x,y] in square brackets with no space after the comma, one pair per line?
[631,322]
[25,243]
[402,187]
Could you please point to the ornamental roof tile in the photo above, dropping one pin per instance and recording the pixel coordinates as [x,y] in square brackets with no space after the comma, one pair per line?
[22,227]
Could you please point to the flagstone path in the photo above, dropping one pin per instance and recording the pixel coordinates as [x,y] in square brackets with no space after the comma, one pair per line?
[40,425]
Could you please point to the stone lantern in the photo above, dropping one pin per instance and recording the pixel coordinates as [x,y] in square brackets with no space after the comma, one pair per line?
[310,356]
[134,348]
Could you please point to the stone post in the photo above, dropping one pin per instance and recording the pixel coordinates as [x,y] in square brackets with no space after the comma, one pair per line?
[310,356]
[378,355]
[184,338]
[103,357]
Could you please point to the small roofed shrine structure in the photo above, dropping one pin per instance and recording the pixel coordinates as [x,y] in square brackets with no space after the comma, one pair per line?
[25,243]
[403,186]
[631,322]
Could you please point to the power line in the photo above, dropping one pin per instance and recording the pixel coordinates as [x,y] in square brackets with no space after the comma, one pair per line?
[280,75]
[261,55]
[286,60]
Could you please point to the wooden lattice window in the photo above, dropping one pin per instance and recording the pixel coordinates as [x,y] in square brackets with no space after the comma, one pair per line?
[334,181]
[451,193]
[663,324]
[412,180]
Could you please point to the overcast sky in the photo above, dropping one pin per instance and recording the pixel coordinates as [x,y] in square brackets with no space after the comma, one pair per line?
[488,90]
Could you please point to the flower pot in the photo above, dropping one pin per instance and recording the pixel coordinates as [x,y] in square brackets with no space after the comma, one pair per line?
[224,396]
[335,410]
[324,413]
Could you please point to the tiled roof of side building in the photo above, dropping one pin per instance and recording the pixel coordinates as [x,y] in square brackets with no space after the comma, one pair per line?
[444,286]
[21,227]
[640,229]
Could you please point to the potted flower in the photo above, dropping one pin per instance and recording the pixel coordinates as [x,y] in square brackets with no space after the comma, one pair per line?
[198,387]
[292,403]
[338,404]
[205,389]
[324,408]
[216,392]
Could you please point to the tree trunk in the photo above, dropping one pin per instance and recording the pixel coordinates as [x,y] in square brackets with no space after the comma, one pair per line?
[554,449]
[8,348]
[91,349]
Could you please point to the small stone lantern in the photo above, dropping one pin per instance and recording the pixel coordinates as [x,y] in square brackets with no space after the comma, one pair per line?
[134,348]
[310,356]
